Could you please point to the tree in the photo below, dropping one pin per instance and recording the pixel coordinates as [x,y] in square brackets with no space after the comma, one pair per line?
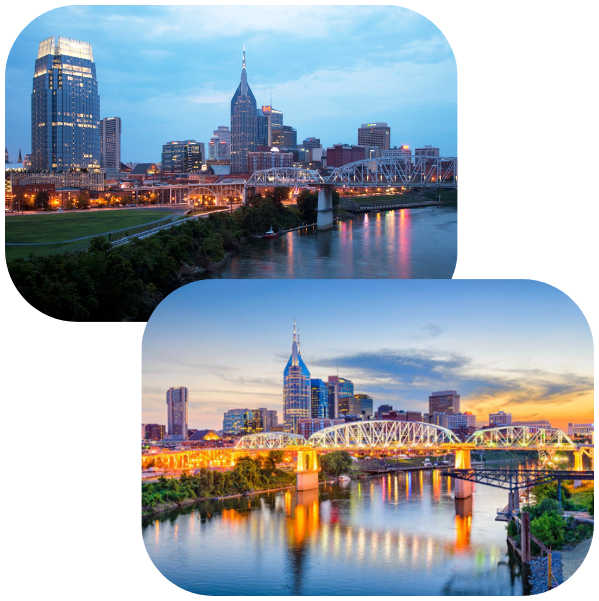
[42,200]
[82,201]
[307,203]
[336,463]
[278,195]
[549,529]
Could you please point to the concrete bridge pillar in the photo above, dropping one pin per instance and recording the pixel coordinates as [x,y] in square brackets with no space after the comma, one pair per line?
[244,196]
[307,469]
[463,488]
[513,503]
[578,466]
[324,219]
[525,537]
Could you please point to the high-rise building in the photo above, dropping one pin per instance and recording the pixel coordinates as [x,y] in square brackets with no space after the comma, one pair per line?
[297,394]
[307,426]
[445,401]
[284,137]
[220,143]
[339,388]
[381,410]
[366,404]
[233,421]
[153,431]
[462,424]
[320,399]
[65,107]
[274,120]
[182,157]
[176,401]
[340,155]
[375,134]
[243,124]
[500,419]
[110,144]
[267,160]
[261,128]
[427,151]
[6,155]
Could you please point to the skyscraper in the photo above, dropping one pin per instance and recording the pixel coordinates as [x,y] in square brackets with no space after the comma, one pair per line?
[220,143]
[339,388]
[445,401]
[182,157]
[375,134]
[320,399]
[110,144]
[296,387]
[65,107]
[176,401]
[243,123]
[274,120]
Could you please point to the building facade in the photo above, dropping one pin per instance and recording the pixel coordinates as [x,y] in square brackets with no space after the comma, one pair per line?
[182,157]
[427,151]
[375,134]
[340,391]
[243,124]
[274,120]
[500,419]
[110,144]
[220,143]
[297,393]
[154,431]
[176,401]
[340,155]
[320,399]
[284,137]
[581,429]
[65,107]
[307,426]
[444,401]
[366,405]
[267,160]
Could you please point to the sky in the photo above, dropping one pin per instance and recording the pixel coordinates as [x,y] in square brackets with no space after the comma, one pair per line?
[514,345]
[169,72]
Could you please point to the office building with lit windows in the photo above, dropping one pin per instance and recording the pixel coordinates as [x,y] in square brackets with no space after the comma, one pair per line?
[375,134]
[320,399]
[110,144]
[366,404]
[182,157]
[297,393]
[284,137]
[176,401]
[65,107]
[340,390]
[445,401]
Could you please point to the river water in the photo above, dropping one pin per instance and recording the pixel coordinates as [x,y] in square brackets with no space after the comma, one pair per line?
[400,534]
[406,243]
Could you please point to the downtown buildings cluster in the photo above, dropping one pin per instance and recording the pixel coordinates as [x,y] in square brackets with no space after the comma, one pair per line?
[75,149]
[311,404]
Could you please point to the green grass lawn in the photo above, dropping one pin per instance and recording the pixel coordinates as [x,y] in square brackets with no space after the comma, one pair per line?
[22,252]
[57,227]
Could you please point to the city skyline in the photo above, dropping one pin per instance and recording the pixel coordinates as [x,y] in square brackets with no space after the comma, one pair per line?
[393,49]
[533,359]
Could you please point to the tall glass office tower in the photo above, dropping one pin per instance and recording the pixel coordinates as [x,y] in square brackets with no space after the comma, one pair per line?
[65,107]
[243,124]
[176,401]
[296,387]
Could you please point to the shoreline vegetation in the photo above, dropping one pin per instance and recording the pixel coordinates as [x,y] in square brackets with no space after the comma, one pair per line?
[127,282]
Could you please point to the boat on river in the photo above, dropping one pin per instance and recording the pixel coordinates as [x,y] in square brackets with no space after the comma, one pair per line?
[270,234]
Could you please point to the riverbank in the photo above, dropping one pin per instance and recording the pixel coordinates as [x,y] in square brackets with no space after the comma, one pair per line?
[573,557]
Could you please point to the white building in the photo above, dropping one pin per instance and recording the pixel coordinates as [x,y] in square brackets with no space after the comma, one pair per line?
[110,144]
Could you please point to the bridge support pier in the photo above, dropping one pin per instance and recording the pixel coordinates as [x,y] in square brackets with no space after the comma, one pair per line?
[324,219]
[578,467]
[307,469]
[463,488]
[525,537]
[513,503]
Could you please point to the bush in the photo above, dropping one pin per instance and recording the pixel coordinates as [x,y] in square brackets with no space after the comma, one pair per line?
[549,528]
[336,463]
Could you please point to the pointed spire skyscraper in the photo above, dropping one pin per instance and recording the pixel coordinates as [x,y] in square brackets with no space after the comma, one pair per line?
[244,129]
[296,387]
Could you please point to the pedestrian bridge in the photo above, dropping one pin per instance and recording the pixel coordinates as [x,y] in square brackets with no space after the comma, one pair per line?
[392,434]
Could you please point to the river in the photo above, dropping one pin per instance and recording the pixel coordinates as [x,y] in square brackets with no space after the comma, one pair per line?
[400,534]
[406,243]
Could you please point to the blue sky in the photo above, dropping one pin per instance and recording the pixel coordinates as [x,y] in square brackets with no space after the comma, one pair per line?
[170,71]
[521,346]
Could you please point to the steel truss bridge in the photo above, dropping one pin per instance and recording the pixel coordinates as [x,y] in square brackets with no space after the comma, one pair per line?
[390,434]
[385,172]
[378,436]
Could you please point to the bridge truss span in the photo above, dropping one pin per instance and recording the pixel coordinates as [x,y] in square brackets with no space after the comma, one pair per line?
[396,172]
[524,437]
[382,434]
[285,176]
[270,440]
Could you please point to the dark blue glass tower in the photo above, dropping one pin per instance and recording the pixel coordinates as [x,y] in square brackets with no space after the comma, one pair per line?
[320,399]
[243,124]
[296,388]
[65,107]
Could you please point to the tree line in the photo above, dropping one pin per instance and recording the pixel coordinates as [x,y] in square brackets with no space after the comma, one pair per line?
[127,282]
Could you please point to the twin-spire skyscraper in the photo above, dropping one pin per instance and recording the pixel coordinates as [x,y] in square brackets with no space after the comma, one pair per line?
[244,125]
[296,386]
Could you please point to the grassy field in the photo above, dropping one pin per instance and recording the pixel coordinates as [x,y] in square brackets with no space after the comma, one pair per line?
[55,227]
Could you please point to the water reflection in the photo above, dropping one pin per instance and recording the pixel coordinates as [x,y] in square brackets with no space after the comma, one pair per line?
[406,243]
[358,539]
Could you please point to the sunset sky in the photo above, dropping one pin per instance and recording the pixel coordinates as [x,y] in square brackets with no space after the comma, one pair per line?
[170,72]
[515,345]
